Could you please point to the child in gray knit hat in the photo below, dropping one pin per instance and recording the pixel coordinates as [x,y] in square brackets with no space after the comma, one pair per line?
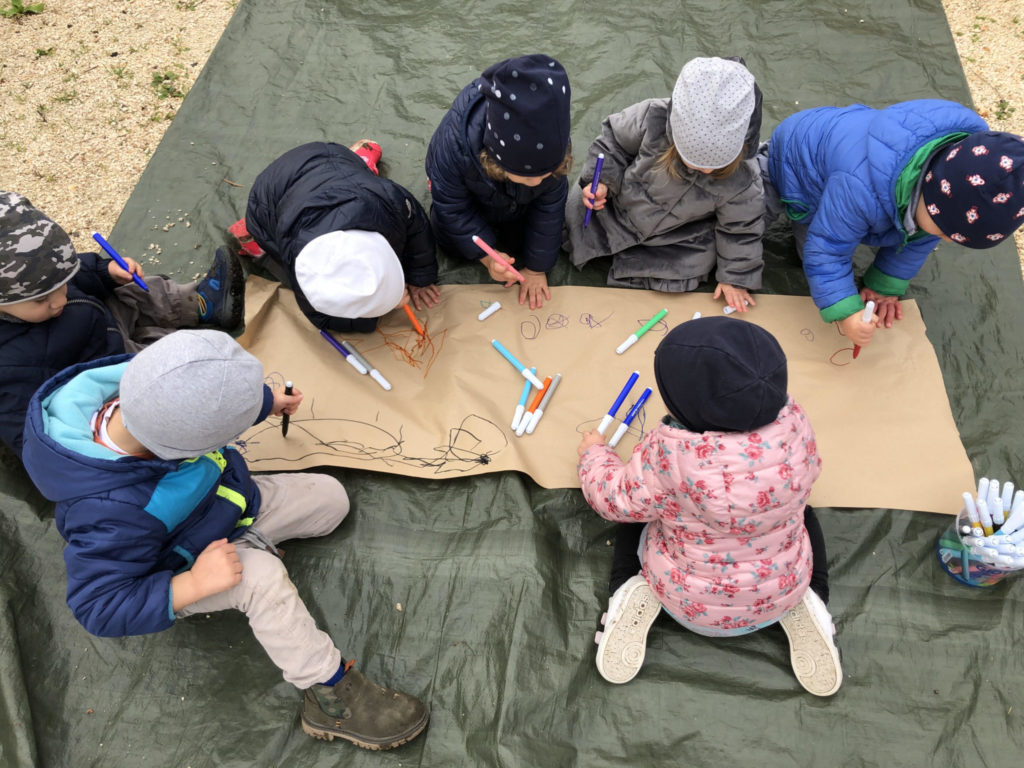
[163,520]
[679,197]
[59,307]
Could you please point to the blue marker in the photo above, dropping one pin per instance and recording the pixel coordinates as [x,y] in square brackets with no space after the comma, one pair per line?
[521,408]
[593,186]
[527,374]
[117,258]
[629,417]
[610,416]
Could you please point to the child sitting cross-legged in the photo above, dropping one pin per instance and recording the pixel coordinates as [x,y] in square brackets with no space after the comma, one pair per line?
[163,521]
[713,523]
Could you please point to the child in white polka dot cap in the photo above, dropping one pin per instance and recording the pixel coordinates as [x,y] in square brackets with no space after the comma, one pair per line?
[678,198]
[497,168]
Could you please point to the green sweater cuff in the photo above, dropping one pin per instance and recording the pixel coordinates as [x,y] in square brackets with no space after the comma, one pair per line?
[879,282]
[842,309]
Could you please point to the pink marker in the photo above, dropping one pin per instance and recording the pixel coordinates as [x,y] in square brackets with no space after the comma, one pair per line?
[497,257]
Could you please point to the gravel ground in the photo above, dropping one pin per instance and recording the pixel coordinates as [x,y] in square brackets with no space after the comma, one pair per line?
[87,89]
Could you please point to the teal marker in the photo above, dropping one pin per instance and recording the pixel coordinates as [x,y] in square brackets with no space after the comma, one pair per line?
[634,337]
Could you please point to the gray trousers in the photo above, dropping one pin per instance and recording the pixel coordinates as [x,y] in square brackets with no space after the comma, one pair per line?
[296,505]
[143,317]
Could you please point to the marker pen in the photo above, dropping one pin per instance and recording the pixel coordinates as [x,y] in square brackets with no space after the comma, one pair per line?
[972,514]
[117,258]
[527,374]
[869,310]
[497,257]
[986,517]
[414,320]
[610,416]
[284,416]
[494,307]
[374,373]
[1016,517]
[543,403]
[593,185]
[525,421]
[634,337]
[624,426]
[349,358]
[521,407]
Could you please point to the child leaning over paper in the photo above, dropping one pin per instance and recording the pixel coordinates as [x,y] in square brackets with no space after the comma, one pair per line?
[713,524]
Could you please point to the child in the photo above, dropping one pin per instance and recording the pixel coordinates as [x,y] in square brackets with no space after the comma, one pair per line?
[897,179]
[728,546]
[679,197]
[59,308]
[344,239]
[497,166]
[162,521]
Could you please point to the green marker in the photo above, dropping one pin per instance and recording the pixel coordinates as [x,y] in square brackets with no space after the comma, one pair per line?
[634,337]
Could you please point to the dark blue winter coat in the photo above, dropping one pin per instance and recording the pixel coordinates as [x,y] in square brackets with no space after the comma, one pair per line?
[130,523]
[319,188]
[30,353]
[466,201]
[836,170]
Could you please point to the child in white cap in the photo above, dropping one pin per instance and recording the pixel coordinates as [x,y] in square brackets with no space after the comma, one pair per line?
[351,244]
[679,199]
[163,519]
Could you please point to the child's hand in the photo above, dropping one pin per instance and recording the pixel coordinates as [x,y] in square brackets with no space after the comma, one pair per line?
[590,437]
[856,330]
[286,403]
[426,297]
[500,272]
[216,569]
[737,298]
[888,308]
[535,288]
[120,276]
[595,200]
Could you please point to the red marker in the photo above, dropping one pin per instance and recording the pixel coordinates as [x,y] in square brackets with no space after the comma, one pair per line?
[414,321]
[869,310]
[497,257]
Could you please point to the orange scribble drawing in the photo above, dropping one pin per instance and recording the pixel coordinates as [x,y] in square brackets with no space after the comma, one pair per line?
[416,351]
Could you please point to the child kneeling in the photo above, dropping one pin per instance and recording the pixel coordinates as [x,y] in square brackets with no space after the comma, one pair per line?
[714,527]
[163,521]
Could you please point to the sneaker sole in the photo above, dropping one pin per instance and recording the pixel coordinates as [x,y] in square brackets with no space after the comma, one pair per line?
[236,289]
[623,645]
[326,735]
[815,660]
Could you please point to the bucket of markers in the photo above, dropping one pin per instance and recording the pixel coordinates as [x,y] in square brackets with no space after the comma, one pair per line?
[985,543]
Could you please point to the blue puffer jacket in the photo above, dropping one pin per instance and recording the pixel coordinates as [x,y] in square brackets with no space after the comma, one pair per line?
[321,187]
[130,523]
[836,170]
[30,353]
[466,201]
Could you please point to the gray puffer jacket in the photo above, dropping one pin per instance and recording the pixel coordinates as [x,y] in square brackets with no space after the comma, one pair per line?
[665,233]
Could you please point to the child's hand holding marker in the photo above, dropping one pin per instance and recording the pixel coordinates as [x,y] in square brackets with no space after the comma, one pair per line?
[286,403]
[860,327]
[590,437]
[887,307]
[736,299]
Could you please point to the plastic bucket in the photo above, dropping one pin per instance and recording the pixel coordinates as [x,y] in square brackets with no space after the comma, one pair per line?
[959,563]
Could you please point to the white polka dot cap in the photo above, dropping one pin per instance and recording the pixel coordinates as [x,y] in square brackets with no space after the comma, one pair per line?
[526,103]
[711,108]
[350,273]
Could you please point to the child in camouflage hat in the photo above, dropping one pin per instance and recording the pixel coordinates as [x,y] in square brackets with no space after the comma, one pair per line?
[59,308]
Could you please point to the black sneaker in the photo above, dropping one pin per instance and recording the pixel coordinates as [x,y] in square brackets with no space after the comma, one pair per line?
[362,712]
[221,294]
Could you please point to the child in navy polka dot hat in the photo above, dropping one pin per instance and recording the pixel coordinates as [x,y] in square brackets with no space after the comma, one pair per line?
[497,167]
[678,199]
[899,180]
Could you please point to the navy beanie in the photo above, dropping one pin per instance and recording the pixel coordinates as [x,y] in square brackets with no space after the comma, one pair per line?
[527,113]
[974,189]
[721,374]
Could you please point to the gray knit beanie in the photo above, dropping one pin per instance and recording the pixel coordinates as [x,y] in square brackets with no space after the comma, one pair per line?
[711,107]
[190,393]
[36,255]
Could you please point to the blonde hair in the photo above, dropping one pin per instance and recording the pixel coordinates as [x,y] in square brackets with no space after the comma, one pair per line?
[672,164]
[496,172]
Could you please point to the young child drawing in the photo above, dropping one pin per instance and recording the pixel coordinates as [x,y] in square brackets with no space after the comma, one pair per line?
[679,199]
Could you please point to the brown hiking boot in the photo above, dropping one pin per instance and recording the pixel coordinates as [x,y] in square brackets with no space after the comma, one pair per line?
[362,712]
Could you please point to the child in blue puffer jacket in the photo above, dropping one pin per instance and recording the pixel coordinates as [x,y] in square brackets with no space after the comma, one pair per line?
[899,180]
[163,521]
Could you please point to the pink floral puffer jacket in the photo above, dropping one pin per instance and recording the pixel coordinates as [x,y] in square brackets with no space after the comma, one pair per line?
[726,547]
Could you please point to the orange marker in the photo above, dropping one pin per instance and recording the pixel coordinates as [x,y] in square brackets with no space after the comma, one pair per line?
[533,407]
[414,321]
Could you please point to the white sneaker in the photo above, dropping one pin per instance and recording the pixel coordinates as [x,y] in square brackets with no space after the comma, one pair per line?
[623,643]
[812,652]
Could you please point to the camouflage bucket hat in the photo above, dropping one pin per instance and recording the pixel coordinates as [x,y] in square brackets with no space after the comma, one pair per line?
[36,256]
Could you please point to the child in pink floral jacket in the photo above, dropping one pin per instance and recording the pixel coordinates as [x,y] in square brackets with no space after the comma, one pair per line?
[714,527]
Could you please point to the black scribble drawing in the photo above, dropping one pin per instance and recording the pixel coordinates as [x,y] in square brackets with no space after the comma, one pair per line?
[470,444]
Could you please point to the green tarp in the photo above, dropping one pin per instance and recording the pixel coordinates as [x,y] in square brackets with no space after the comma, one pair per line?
[501,583]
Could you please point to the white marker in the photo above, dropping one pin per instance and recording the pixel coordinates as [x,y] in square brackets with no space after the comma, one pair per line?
[374,373]
[696,316]
[728,310]
[983,488]
[1007,494]
[521,405]
[494,307]
[543,404]
[972,514]
[986,518]
[1016,518]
